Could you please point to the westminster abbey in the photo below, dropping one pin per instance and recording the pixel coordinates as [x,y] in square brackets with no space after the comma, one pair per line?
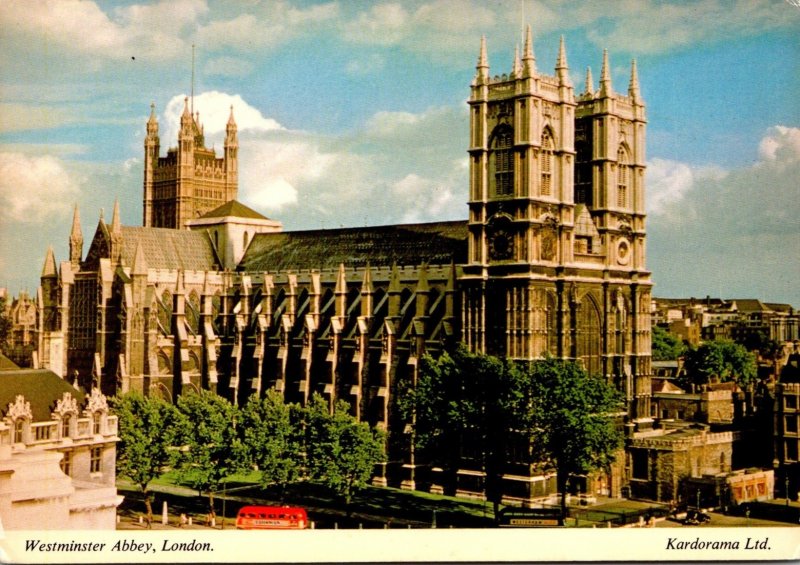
[211,294]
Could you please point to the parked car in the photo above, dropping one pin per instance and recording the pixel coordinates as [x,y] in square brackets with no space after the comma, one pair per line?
[695,518]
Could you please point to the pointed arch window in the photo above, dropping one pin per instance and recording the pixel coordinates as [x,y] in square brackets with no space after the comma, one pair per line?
[66,424]
[19,430]
[546,162]
[623,177]
[502,161]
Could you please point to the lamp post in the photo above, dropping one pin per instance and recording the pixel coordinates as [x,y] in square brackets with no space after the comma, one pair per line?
[786,487]
[698,499]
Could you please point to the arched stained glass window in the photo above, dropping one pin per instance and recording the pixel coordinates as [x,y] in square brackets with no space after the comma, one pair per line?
[546,163]
[502,161]
[623,177]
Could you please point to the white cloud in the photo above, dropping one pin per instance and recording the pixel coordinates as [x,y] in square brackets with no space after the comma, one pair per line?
[262,26]
[215,109]
[82,27]
[383,24]
[654,26]
[33,189]
[732,232]
[780,144]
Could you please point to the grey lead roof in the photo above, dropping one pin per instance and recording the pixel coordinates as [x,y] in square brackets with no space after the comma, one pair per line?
[380,246]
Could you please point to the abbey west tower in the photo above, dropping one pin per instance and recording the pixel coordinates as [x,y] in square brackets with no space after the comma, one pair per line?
[556,253]
[191,180]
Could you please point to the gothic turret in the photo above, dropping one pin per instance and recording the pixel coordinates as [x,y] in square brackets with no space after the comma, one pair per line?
[562,70]
[116,234]
[605,77]
[633,86]
[516,67]
[75,240]
[482,68]
[231,157]
[49,268]
[528,58]
[151,152]
[588,85]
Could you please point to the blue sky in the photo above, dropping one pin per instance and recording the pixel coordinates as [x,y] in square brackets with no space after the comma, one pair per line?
[353,113]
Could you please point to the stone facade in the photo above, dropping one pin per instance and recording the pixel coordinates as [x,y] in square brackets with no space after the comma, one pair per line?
[556,257]
[57,455]
[787,437]
[662,460]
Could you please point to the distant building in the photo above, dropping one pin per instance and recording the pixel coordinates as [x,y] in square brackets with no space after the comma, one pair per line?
[57,454]
[787,428]
[662,460]
[191,180]
[21,342]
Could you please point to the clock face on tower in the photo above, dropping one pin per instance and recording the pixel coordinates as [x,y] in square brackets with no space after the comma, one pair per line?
[501,245]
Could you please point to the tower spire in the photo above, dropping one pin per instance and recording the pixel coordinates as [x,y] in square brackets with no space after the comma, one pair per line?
[482,76]
[115,223]
[588,86]
[605,76]
[152,122]
[49,268]
[516,68]
[528,58]
[186,118]
[633,86]
[75,239]
[562,70]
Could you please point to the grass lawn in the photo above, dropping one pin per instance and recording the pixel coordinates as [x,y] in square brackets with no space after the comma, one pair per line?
[371,507]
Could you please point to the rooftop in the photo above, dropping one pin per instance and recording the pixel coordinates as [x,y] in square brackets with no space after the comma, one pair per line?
[41,387]
[380,246]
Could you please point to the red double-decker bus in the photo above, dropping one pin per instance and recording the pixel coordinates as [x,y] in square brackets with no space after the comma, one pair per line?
[271,518]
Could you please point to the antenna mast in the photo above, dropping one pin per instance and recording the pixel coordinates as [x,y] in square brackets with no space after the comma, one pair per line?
[192,79]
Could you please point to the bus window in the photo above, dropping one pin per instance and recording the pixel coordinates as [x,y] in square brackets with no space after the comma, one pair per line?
[271,518]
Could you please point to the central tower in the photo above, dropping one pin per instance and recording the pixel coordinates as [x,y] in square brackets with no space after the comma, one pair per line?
[191,180]
[557,223]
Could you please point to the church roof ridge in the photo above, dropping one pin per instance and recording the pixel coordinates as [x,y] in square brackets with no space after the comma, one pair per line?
[236,209]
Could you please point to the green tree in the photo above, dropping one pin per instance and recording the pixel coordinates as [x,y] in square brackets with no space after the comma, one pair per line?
[465,402]
[434,407]
[342,452]
[571,417]
[272,440]
[146,439]
[486,405]
[665,346]
[210,447]
[720,361]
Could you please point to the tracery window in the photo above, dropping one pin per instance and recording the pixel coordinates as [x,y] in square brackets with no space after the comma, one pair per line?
[502,161]
[83,308]
[546,163]
[623,177]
